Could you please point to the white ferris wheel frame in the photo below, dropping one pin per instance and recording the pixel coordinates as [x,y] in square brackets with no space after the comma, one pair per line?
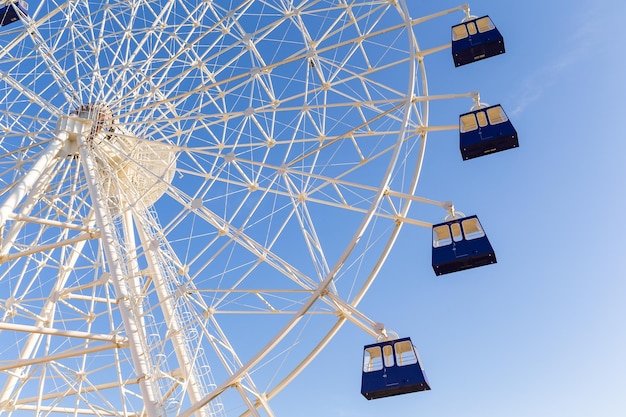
[78,136]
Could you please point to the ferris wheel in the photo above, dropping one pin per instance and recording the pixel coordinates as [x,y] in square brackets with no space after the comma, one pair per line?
[195,196]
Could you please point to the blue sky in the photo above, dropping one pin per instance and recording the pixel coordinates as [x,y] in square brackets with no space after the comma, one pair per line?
[541,332]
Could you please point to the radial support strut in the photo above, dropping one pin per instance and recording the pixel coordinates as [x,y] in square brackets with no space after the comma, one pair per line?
[26,184]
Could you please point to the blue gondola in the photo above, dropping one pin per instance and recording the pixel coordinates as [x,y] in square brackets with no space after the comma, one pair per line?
[9,13]
[460,244]
[474,40]
[391,368]
[485,131]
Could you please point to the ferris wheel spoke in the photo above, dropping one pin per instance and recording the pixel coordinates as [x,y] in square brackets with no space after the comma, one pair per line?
[234,233]
[85,42]
[217,152]
[265,256]
[32,96]
[310,237]
[58,74]
[254,248]
[266,111]
[333,191]
[26,183]
[267,139]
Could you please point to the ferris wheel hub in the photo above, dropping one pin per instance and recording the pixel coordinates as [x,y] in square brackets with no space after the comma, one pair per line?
[132,169]
[100,114]
[87,121]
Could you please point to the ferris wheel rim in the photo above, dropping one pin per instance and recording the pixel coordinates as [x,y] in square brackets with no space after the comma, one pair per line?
[320,288]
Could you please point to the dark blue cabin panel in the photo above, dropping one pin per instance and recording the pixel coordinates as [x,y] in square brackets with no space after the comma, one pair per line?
[486,131]
[474,40]
[9,13]
[391,368]
[460,244]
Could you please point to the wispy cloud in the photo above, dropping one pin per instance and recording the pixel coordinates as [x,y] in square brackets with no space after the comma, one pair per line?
[575,47]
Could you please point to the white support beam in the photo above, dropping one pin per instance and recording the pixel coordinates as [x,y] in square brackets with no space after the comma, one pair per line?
[45,248]
[70,353]
[116,339]
[114,262]
[161,278]
[25,402]
[70,411]
[22,188]
[417,21]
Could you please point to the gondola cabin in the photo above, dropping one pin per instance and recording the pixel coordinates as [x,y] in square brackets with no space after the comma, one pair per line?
[460,244]
[474,40]
[391,368]
[486,131]
[10,12]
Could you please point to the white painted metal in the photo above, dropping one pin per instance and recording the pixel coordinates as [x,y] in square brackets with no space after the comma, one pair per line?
[24,186]
[119,277]
[164,281]
[168,175]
